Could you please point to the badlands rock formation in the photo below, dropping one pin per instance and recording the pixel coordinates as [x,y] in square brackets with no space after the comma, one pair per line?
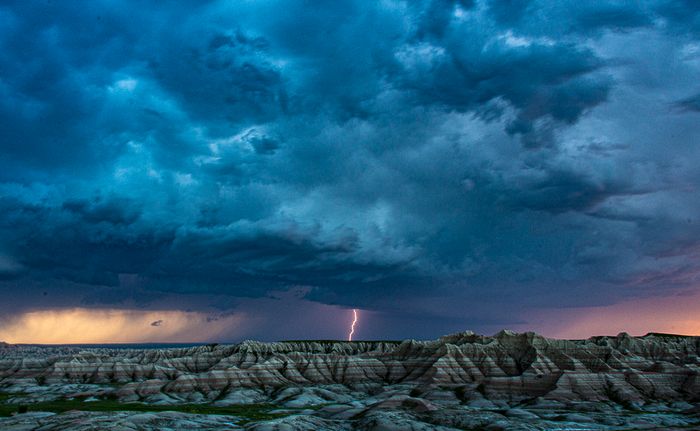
[460,381]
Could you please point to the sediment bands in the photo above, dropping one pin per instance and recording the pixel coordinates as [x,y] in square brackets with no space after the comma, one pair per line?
[507,366]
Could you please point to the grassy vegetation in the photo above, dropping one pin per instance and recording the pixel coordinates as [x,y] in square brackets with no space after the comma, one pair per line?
[247,413]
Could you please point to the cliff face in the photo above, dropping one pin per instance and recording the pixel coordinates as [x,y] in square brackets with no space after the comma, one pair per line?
[507,366]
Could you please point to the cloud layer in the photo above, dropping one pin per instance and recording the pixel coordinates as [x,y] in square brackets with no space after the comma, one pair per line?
[453,162]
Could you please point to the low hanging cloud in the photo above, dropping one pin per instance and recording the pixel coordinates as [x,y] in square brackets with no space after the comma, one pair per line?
[691,103]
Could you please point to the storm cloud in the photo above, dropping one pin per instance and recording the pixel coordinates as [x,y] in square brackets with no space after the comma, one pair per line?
[416,159]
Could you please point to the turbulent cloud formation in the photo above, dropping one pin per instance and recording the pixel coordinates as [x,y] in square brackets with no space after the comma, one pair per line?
[456,162]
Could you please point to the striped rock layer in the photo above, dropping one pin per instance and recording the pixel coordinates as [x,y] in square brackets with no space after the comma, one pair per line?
[507,366]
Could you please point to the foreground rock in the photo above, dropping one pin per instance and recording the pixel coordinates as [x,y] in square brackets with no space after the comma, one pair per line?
[508,381]
[78,421]
[371,420]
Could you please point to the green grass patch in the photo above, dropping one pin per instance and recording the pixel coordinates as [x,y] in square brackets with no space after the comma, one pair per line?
[247,413]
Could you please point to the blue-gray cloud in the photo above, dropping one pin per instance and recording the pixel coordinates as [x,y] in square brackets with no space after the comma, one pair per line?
[497,152]
[691,103]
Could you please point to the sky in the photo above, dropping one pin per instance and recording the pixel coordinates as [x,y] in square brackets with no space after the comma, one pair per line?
[216,171]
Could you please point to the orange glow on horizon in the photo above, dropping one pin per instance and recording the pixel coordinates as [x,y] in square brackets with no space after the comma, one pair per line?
[678,314]
[87,326]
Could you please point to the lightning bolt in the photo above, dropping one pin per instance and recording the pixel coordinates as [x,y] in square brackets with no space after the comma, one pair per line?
[352,326]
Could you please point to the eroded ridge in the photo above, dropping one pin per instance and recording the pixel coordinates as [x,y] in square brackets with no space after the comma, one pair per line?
[422,379]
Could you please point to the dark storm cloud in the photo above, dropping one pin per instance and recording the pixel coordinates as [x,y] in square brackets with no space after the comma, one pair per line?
[567,17]
[684,14]
[221,77]
[691,103]
[562,191]
[48,74]
[542,81]
[434,16]
[79,241]
[114,211]
[441,151]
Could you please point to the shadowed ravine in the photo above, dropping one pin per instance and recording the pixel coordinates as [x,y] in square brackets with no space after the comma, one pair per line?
[460,381]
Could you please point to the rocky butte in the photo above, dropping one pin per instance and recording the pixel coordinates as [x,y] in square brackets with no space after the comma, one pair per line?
[461,381]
